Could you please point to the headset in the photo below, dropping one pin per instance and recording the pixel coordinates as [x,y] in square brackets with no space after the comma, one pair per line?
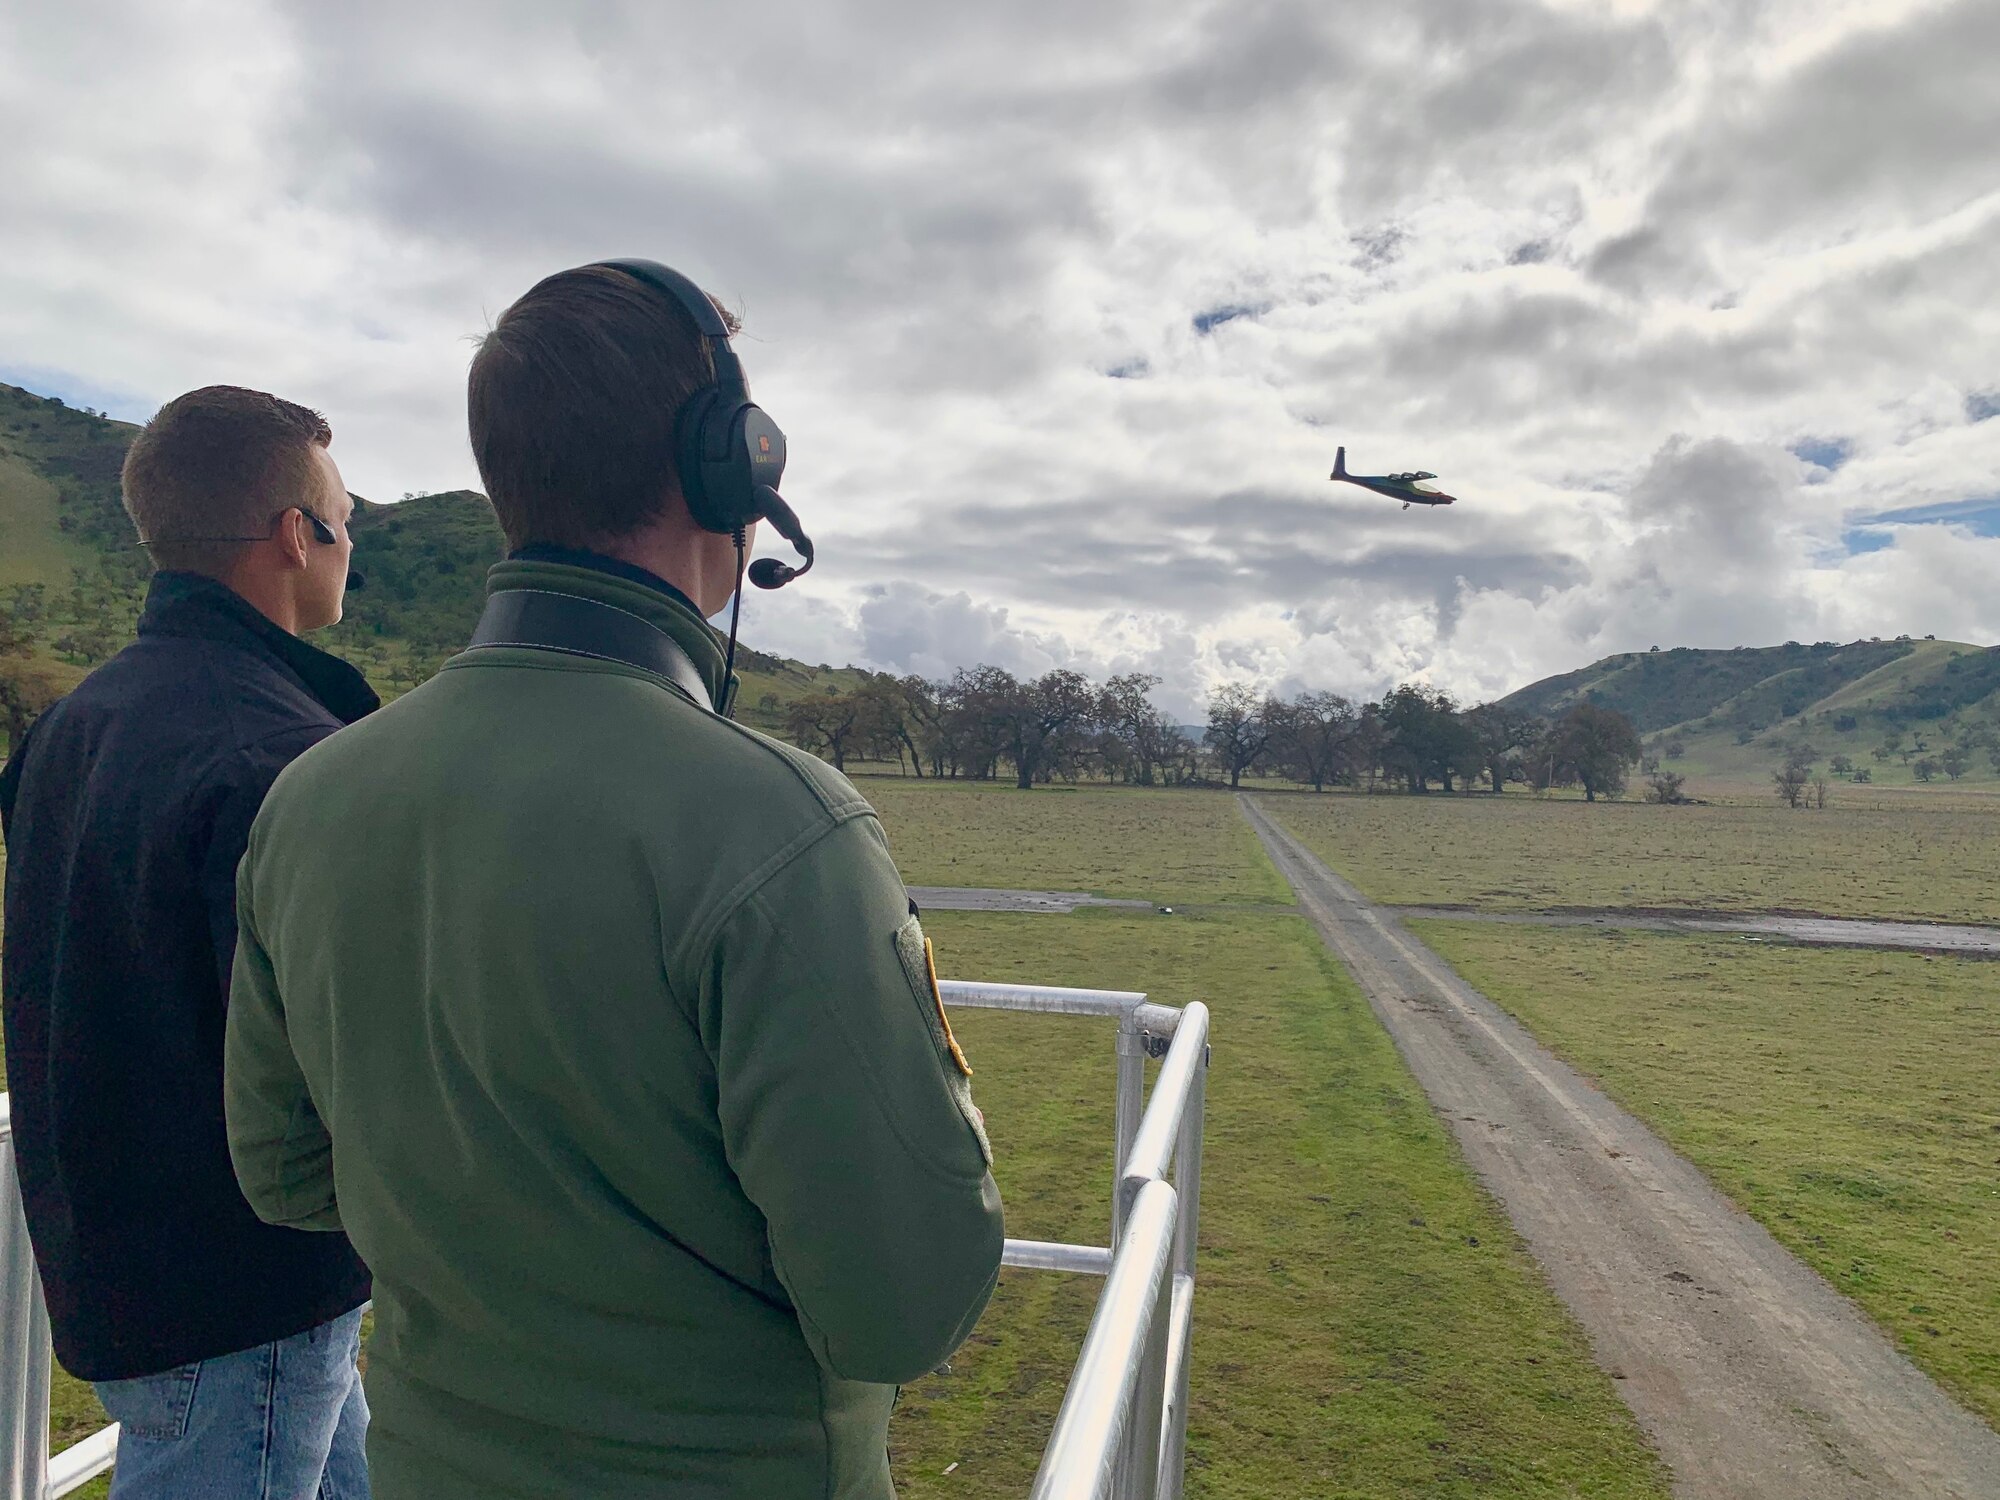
[728,453]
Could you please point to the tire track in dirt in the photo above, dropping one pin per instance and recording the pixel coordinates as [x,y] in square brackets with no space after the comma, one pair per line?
[1752,1375]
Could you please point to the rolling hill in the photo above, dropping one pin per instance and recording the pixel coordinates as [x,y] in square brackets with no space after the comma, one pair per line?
[1731,714]
[72,582]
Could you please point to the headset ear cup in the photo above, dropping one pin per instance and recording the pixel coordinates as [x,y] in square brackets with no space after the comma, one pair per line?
[726,467]
[691,459]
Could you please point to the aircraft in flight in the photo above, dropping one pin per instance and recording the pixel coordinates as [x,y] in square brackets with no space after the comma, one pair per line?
[1404,487]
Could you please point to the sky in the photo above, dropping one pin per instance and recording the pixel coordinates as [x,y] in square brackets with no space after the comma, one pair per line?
[1065,308]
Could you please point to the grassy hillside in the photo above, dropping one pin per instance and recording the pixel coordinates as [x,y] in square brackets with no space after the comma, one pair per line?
[1892,708]
[72,581]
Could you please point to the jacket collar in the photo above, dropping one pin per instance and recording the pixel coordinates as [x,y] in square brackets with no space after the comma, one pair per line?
[617,567]
[189,606]
[659,604]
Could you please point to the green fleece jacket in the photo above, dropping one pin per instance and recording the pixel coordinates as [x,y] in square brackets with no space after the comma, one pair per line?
[605,1029]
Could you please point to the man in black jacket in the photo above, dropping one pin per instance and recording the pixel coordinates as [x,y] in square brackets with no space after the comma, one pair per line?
[224,1347]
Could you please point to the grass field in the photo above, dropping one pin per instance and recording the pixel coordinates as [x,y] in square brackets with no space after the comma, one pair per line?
[1113,841]
[33,548]
[1845,1099]
[1523,853]
[1367,1324]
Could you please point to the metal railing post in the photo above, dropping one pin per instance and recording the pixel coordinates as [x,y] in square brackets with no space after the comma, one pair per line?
[24,1342]
[1082,1459]
[1187,1234]
[1131,1101]
[1139,1465]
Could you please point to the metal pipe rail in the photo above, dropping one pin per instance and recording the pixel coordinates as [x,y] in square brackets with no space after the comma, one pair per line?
[1122,1430]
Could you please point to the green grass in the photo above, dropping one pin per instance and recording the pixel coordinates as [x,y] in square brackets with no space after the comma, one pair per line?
[33,549]
[1114,841]
[1366,1322]
[1522,853]
[1845,1099]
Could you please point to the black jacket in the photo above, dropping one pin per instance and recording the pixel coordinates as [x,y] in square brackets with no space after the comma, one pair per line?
[125,810]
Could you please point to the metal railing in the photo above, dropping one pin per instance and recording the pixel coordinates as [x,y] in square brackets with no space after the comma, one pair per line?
[1122,1431]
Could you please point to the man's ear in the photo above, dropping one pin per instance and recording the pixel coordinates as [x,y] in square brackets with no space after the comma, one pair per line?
[294,538]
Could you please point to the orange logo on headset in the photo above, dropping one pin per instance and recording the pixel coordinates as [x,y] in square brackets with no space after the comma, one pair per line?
[763,444]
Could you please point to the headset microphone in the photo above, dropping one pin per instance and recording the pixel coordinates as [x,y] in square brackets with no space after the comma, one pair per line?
[356,580]
[768,572]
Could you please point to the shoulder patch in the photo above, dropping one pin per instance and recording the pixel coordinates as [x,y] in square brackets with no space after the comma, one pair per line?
[919,962]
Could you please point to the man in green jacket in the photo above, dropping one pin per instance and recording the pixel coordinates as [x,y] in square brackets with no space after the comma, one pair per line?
[603,1025]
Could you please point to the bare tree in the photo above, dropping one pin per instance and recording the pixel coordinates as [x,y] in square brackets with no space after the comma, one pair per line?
[1142,732]
[1501,735]
[829,722]
[1238,728]
[1369,744]
[972,720]
[1038,725]
[1790,779]
[1312,737]
[893,710]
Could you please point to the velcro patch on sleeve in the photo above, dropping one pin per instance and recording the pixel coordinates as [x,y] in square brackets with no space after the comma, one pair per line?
[919,962]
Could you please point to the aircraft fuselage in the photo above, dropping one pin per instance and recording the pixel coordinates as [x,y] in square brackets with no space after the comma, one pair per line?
[1408,488]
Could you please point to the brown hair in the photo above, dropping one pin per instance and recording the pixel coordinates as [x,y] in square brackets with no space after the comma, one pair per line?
[571,406]
[213,468]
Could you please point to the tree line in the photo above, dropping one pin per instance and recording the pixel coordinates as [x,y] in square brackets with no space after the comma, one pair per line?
[984,723]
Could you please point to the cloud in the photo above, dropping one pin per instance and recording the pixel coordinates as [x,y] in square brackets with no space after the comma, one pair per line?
[1064,308]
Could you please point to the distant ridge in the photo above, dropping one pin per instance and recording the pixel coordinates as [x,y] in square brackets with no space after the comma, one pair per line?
[1730,710]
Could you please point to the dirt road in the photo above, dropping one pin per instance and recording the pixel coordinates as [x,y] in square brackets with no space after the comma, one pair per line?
[1754,1377]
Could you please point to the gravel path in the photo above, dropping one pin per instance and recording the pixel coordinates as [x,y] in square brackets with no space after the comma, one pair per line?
[1753,1376]
[975,898]
[1814,932]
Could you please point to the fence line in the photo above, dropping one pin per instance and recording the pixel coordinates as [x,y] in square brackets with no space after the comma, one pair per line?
[1122,1431]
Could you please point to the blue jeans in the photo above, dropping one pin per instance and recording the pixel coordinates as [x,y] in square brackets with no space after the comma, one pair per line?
[282,1421]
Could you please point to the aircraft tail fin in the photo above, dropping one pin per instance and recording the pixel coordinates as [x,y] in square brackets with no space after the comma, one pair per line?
[1339,464]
